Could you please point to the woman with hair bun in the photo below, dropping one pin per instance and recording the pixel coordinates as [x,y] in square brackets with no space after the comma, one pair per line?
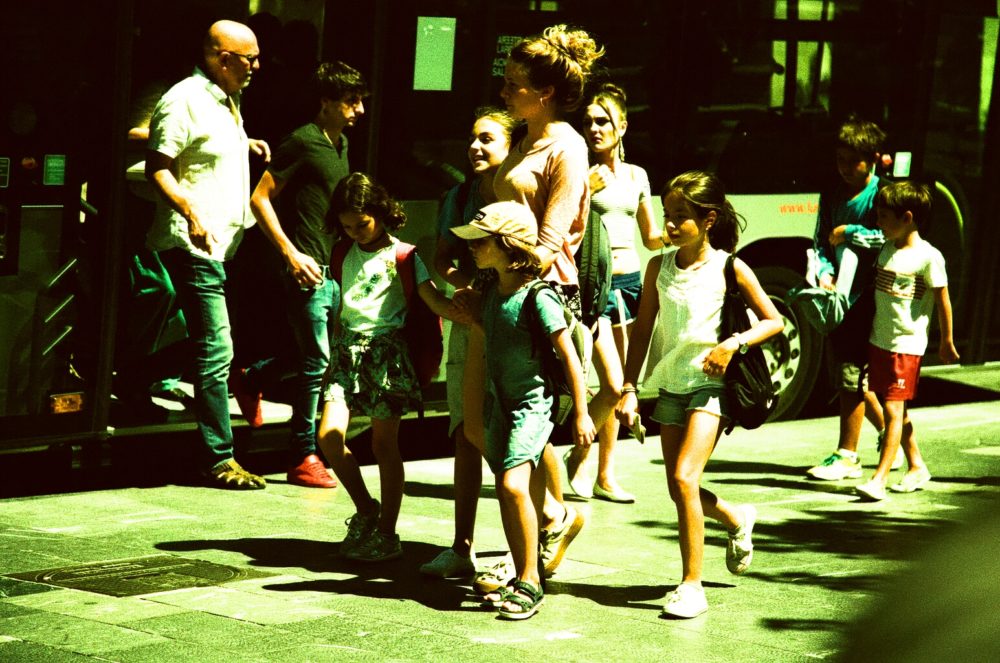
[547,170]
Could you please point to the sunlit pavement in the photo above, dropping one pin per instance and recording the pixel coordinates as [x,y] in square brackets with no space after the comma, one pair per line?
[822,560]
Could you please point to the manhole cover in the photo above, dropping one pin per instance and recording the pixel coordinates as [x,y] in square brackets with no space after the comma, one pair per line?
[141,575]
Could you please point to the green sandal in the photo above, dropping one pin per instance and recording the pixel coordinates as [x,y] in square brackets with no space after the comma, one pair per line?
[527,599]
[495,598]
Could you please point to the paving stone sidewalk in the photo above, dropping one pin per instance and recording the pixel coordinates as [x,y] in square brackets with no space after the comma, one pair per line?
[822,559]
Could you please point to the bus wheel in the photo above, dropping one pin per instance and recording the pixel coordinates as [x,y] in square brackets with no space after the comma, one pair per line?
[795,355]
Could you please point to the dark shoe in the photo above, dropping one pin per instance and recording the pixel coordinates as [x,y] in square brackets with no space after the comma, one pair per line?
[359,529]
[231,476]
[248,399]
[522,601]
[311,473]
[378,547]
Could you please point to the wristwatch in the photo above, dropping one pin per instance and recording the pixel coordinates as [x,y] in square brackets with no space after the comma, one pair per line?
[744,346]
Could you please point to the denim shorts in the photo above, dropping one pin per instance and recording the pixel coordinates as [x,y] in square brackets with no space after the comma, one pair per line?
[672,409]
[627,288]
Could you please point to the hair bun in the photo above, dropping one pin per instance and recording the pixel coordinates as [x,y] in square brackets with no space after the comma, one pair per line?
[577,45]
[611,89]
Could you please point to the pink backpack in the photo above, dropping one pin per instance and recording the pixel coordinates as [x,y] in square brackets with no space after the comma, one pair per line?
[422,329]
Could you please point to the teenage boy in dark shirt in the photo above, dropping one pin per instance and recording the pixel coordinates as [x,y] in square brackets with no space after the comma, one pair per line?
[291,203]
[846,243]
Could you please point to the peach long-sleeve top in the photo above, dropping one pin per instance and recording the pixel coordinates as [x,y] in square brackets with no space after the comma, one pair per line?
[552,179]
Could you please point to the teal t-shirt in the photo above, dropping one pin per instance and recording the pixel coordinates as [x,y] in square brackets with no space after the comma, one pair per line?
[517,411]
[511,371]
[862,234]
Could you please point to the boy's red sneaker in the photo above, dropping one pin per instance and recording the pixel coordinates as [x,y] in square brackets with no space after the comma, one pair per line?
[311,473]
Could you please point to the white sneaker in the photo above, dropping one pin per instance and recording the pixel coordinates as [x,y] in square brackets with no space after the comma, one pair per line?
[739,550]
[836,467]
[449,564]
[872,491]
[897,462]
[912,481]
[686,601]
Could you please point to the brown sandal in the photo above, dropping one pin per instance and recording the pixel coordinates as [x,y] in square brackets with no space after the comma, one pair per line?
[231,476]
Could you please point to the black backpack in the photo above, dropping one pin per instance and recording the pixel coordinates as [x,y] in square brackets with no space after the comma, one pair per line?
[593,264]
[749,390]
[552,367]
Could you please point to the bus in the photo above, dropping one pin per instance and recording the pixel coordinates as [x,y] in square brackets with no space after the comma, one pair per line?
[751,90]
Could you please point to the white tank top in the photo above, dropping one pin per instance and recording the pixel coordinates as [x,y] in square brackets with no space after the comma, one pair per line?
[689,321]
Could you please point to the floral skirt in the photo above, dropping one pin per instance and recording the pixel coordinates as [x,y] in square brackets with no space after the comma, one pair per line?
[372,375]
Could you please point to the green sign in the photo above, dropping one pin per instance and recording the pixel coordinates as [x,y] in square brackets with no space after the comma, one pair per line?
[54,173]
[4,172]
[435,53]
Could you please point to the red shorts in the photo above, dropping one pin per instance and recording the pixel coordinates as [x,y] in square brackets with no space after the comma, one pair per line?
[893,375]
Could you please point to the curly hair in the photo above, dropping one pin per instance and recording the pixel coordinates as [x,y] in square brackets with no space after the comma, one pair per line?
[359,193]
[559,57]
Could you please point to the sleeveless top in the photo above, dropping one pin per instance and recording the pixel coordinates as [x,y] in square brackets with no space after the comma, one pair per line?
[618,202]
[689,321]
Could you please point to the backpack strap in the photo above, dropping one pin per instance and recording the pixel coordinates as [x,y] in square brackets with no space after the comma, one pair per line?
[732,288]
[337,256]
[406,268]
[534,322]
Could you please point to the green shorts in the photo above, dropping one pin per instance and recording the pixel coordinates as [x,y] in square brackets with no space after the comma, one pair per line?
[852,377]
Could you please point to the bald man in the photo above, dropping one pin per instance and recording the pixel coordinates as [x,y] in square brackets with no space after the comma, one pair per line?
[198,160]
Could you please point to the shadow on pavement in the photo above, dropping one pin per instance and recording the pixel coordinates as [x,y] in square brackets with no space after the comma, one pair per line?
[805,624]
[801,485]
[975,481]
[369,579]
[632,596]
[718,466]
[848,534]
[445,491]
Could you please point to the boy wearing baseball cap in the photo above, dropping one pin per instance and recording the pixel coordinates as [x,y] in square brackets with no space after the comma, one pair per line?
[518,407]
